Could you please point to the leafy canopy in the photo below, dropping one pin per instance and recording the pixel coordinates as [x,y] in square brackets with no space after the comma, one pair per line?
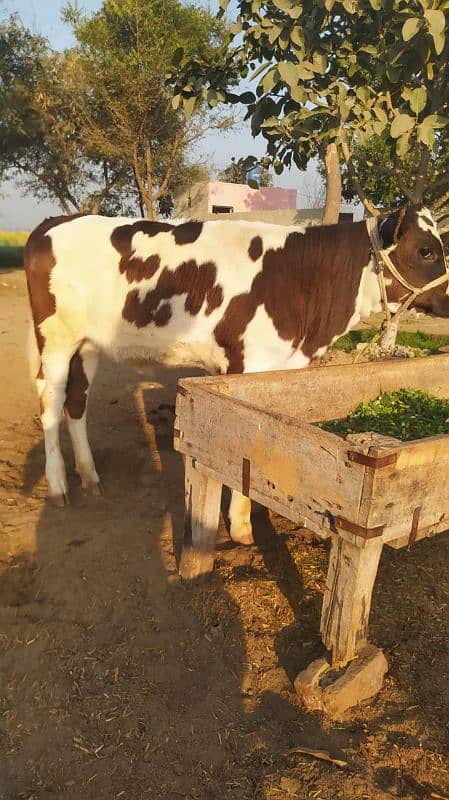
[333,71]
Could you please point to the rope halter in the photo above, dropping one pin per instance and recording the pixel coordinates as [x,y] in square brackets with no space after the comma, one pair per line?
[383,260]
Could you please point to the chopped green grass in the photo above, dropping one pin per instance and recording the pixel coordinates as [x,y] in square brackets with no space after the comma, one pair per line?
[406,414]
[418,340]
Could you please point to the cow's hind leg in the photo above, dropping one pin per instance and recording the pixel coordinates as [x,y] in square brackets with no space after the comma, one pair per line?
[51,383]
[240,528]
[83,365]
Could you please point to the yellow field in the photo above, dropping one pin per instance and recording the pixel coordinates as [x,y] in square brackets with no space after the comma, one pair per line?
[13,238]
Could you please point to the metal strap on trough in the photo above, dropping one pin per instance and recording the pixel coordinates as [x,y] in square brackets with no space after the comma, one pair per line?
[383,260]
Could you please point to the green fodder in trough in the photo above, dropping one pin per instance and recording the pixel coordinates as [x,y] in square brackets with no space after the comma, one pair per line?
[418,340]
[406,414]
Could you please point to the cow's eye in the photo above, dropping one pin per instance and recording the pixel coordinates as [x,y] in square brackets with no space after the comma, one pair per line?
[426,252]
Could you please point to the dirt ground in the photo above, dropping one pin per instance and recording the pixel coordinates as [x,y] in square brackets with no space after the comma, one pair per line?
[119,682]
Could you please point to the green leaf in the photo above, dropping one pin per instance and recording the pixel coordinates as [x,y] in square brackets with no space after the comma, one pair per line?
[401,124]
[304,73]
[410,28]
[402,145]
[269,80]
[426,130]
[436,21]
[380,114]
[378,127]
[177,56]
[363,94]
[439,40]
[253,184]
[297,37]
[329,4]
[274,33]
[418,99]
[247,98]
[189,106]
[288,72]
[175,102]
[376,4]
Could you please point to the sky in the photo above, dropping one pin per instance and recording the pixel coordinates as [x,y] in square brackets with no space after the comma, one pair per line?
[23,212]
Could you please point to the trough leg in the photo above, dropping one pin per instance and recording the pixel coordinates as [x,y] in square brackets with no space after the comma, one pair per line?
[347,597]
[202,511]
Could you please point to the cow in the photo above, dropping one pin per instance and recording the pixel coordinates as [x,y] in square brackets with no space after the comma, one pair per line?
[226,296]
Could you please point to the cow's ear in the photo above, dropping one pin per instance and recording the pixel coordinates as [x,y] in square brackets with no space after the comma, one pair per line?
[390,227]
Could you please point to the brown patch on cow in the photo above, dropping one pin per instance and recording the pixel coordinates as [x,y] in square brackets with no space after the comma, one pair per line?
[77,388]
[255,249]
[308,288]
[163,315]
[137,269]
[229,331]
[214,299]
[189,278]
[39,261]
[187,233]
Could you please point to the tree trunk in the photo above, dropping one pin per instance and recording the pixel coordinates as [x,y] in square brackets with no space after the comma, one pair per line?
[331,212]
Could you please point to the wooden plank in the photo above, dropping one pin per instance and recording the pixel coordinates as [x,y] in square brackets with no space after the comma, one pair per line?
[202,511]
[331,392]
[297,512]
[347,597]
[289,462]
[417,479]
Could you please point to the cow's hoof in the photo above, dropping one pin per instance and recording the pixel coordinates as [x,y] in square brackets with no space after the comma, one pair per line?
[242,534]
[58,500]
[94,489]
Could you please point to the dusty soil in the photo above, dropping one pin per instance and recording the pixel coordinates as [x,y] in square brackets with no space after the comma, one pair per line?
[119,682]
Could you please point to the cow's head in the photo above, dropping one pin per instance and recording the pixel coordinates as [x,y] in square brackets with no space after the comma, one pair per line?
[413,243]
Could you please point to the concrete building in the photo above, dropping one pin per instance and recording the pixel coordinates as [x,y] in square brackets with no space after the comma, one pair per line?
[208,199]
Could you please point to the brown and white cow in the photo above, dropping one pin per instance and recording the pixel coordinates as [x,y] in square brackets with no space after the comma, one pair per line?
[222,295]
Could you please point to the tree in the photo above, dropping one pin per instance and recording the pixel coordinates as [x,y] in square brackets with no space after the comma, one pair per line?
[238,171]
[123,53]
[41,136]
[93,127]
[337,72]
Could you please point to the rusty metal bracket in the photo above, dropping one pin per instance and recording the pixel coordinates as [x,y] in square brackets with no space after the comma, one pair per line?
[376,462]
[414,528]
[246,476]
[358,530]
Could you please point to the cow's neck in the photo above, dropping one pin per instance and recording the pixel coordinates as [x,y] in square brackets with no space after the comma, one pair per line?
[368,300]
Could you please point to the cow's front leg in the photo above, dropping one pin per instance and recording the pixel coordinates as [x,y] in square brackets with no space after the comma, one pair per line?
[240,528]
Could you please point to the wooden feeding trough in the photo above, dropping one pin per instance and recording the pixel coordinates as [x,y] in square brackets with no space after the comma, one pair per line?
[255,433]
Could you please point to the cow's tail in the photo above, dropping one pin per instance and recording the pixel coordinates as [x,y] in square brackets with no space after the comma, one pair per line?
[34,357]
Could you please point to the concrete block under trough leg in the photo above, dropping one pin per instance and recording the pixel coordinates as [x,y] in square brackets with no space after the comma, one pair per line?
[361,680]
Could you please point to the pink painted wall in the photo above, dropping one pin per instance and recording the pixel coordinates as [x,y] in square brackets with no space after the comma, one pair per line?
[243,198]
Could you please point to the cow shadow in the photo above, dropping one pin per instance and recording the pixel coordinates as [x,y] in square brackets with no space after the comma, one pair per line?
[114,668]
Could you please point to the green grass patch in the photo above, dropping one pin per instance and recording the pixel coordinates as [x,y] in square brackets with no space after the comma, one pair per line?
[11,248]
[418,340]
[11,256]
[406,414]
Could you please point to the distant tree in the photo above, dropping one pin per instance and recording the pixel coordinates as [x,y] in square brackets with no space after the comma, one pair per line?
[41,138]
[386,183]
[237,172]
[126,110]
[94,127]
